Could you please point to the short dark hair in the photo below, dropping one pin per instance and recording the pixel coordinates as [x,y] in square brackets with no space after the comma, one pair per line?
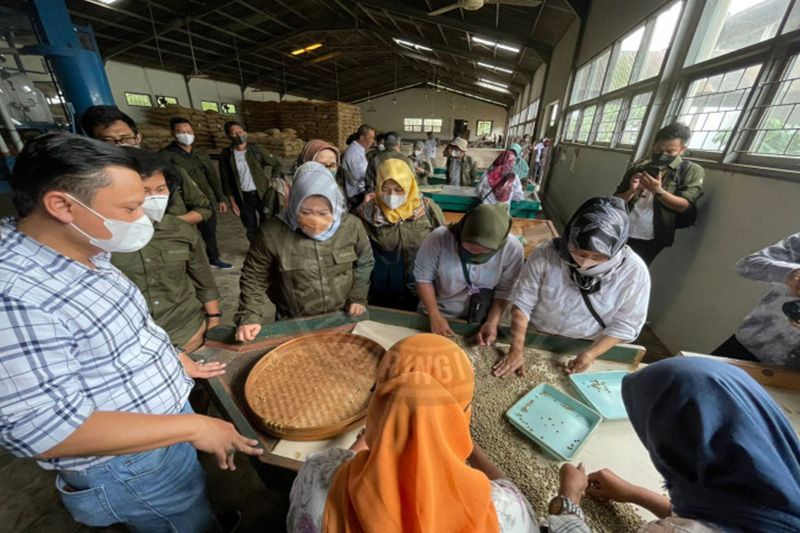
[351,139]
[153,162]
[174,121]
[231,123]
[104,116]
[64,162]
[391,139]
[363,130]
[379,138]
[676,130]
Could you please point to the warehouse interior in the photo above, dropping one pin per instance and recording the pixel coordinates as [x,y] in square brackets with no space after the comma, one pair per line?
[597,78]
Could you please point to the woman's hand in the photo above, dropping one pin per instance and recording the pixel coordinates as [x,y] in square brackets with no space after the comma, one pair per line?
[573,482]
[201,369]
[221,439]
[356,310]
[512,363]
[580,363]
[606,485]
[247,332]
[440,326]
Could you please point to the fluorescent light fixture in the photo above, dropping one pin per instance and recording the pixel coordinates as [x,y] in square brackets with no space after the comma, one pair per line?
[503,85]
[491,86]
[468,95]
[495,44]
[307,49]
[495,68]
[108,2]
[413,46]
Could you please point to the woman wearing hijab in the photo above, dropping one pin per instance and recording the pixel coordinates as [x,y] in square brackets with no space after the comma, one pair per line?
[313,258]
[423,168]
[729,457]
[409,472]
[521,168]
[587,284]
[397,220]
[321,152]
[500,184]
[465,263]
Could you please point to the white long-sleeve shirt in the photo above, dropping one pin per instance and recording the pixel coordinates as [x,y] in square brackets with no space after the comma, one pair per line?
[438,263]
[483,189]
[355,161]
[548,295]
[430,150]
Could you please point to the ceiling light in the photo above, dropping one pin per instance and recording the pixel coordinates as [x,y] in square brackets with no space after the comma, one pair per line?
[503,85]
[495,44]
[495,68]
[108,2]
[463,93]
[413,46]
[307,49]
[491,86]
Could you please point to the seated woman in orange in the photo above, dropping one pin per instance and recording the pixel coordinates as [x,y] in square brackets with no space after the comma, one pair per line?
[410,473]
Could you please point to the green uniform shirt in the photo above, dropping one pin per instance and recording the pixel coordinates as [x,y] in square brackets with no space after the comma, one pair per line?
[422,168]
[263,166]
[302,276]
[189,197]
[469,171]
[690,188]
[199,167]
[173,274]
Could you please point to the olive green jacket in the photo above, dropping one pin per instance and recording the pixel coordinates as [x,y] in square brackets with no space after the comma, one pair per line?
[189,197]
[375,159]
[691,189]
[406,236]
[303,276]
[470,175]
[173,274]
[422,168]
[263,166]
[199,167]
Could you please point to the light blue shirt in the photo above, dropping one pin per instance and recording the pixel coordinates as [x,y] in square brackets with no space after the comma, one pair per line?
[355,161]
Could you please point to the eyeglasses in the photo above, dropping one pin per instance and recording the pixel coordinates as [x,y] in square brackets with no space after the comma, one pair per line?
[333,167]
[128,140]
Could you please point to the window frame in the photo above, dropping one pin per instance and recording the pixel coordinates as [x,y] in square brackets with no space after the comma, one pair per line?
[478,124]
[235,108]
[203,105]
[131,93]
[175,98]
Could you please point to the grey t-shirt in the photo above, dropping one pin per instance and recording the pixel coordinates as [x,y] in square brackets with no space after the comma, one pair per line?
[766,331]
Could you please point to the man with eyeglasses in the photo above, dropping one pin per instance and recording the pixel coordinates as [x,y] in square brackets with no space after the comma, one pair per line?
[108,124]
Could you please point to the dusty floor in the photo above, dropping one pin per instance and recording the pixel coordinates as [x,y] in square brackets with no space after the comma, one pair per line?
[29,499]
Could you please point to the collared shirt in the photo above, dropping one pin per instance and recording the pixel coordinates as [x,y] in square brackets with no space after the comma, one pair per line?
[173,273]
[766,330]
[73,341]
[355,161]
[548,295]
[438,263]
[245,175]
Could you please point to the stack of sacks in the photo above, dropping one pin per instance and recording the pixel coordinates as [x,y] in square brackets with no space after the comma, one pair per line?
[331,121]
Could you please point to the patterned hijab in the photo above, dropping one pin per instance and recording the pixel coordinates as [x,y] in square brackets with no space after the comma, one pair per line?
[727,452]
[498,175]
[313,179]
[600,225]
[414,477]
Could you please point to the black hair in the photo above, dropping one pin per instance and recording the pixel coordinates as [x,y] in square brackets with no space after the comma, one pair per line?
[352,138]
[391,139]
[64,162]
[676,130]
[104,116]
[151,162]
[380,137]
[231,123]
[174,121]
[363,130]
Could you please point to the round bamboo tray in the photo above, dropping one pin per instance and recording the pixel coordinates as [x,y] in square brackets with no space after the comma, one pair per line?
[313,387]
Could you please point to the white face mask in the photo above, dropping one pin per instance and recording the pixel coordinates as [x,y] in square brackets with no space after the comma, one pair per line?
[185,139]
[417,153]
[393,201]
[125,236]
[155,206]
[455,153]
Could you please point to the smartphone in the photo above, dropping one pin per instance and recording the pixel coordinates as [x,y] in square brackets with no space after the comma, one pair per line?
[653,170]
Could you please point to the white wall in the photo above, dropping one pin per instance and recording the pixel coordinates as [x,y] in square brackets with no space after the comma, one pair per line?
[427,103]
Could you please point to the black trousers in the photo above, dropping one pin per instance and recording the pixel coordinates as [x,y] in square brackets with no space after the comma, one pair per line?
[733,349]
[208,230]
[251,211]
[647,250]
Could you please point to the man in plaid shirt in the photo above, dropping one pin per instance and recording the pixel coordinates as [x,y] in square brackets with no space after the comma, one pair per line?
[89,384]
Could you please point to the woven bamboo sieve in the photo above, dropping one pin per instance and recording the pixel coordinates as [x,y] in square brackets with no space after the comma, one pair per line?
[313,387]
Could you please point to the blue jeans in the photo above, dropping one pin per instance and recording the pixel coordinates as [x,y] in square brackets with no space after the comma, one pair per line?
[154,491]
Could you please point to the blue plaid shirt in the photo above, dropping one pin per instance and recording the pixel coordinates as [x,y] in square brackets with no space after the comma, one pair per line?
[74,340]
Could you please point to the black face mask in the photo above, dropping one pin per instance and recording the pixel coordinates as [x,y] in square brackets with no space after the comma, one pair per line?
[662,159]
[238,140]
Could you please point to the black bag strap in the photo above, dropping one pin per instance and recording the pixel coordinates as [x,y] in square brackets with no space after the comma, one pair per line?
[680,174]
[501,182]
[589,305]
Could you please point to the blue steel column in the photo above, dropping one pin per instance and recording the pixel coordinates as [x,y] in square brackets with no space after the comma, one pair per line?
[80,72]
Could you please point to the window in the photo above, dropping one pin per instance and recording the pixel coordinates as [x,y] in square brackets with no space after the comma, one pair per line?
[553,113]
[623,58]
[432,124]
[572,123]
[777,130]
[585,124]
[164,101]
[633,123]
[413,125]
[608,121]
[589,78]
[659,42]
[712,105]
[483,127]
[228,109]
[138,99]
[533,110]
[727,26]
[209,106]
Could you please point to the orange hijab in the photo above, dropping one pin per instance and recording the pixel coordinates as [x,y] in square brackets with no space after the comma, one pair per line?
[414,477]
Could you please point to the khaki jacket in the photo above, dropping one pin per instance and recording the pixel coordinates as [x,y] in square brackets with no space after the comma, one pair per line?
[173,274]
[302,276]
[469,171]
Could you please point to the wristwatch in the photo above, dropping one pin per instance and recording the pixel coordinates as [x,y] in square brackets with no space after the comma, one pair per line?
[563,505]
[658,194]
[214,315]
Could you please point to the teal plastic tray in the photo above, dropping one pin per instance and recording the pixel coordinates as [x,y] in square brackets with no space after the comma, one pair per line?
[525,208]
[556,421]
[603,391]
